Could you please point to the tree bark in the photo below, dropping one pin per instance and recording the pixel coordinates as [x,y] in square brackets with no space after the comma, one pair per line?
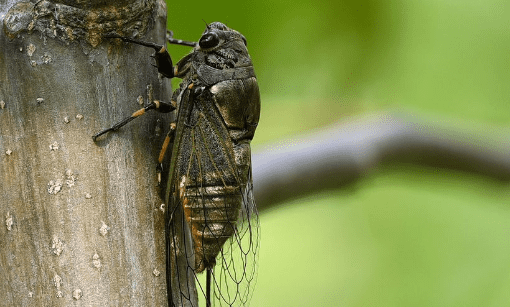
[82,222]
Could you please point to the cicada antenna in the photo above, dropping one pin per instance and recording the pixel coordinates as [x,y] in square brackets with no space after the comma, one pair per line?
[171,40]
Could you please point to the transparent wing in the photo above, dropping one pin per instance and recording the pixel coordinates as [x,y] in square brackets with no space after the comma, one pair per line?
[235,273]
[214,221]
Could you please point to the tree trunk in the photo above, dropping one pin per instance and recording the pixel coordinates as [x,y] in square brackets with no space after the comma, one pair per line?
[83,222]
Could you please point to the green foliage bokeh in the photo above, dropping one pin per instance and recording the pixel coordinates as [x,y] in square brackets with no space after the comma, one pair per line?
[408,236]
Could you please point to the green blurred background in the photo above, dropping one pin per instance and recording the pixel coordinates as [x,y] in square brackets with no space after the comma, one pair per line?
[407,235]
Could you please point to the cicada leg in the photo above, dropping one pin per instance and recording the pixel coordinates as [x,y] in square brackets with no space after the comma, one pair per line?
[168,139]
[160,106]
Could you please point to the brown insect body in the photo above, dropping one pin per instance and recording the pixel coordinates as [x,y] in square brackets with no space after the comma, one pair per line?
[210,177]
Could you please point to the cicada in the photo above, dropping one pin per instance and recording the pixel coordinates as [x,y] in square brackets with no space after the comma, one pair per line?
[212,221]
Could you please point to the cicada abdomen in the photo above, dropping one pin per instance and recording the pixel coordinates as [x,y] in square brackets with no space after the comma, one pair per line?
[212,212]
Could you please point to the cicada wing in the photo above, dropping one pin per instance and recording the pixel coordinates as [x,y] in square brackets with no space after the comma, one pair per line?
[218,223]
[234,276]
[180,277]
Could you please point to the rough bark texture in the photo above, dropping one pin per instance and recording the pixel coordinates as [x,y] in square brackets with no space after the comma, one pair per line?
[81,221]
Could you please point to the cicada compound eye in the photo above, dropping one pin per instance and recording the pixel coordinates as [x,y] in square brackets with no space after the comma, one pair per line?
[209,40]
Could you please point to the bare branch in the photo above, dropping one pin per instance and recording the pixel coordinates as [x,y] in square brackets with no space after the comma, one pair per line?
[343,153]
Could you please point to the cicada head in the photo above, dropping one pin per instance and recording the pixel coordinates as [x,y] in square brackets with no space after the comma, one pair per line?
[223,47]
[217,34]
